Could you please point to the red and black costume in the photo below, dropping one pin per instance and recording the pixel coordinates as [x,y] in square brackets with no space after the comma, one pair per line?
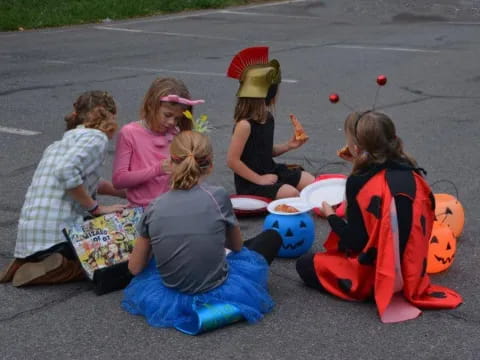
[359,261]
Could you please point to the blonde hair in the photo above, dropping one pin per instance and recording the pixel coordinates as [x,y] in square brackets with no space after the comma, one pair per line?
[191,155]
[85,103]
[162,87]
[101,119]
[374,133]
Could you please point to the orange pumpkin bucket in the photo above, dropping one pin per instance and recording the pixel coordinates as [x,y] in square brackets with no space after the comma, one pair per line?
[449,211]
[441,249]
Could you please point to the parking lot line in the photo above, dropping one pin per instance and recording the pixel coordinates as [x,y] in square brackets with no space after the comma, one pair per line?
[17,131]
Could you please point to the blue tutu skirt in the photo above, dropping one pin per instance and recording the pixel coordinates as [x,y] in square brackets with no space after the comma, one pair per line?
[245,288]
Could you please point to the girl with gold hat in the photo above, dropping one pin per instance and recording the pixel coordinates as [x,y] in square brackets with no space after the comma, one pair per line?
[252,149]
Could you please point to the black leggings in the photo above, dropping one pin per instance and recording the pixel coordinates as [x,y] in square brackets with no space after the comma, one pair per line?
[306,270]
[266,243]
[64,248]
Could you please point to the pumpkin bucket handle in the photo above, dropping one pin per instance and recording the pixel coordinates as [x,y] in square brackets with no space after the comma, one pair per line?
[449,182]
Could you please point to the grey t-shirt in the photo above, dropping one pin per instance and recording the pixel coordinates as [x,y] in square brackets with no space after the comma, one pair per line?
[187,231]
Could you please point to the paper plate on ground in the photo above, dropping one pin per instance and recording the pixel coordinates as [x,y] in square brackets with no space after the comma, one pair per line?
[245,205]
[295,202]
[330,190]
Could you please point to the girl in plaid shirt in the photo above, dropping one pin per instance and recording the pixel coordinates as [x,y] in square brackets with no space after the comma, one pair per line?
[62,192]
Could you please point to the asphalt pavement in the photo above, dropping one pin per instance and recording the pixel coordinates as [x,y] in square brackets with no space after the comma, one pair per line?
[429,51]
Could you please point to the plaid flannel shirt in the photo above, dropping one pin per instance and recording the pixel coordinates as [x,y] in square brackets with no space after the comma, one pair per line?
[74,160]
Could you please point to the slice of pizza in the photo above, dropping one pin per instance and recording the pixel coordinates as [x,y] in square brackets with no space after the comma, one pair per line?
[300,133]
[344,152]
[286,208]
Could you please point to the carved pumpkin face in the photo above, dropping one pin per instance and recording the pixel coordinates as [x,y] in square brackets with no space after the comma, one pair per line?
[448,210]
[442,248]
[297,232]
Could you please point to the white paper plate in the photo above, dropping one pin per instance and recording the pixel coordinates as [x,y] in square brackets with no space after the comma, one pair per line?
[248,204]
[330,190]
[296,202]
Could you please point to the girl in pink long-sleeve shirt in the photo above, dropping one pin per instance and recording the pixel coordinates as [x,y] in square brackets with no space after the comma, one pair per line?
[142,156]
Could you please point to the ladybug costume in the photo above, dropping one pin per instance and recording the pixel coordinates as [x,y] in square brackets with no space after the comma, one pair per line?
[383,248]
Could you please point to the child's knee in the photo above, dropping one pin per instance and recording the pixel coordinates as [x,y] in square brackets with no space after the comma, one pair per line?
[287,191]
[305,179]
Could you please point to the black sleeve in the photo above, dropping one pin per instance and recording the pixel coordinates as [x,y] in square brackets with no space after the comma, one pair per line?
[404,215]
[353,235]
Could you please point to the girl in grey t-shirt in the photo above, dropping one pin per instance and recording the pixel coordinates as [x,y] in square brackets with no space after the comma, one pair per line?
[187,230]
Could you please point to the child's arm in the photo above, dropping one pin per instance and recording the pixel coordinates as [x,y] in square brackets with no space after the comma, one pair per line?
[80,195]
[123,177]
[234,162]
[140,255]
[353,235]
[234,239]
[105,187]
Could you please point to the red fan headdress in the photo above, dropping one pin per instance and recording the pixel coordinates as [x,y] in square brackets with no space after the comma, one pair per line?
[255,72]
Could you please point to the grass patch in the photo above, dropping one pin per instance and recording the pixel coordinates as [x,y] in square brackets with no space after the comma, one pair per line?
[30,14]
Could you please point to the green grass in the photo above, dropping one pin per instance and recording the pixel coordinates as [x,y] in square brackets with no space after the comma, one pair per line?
[30,14]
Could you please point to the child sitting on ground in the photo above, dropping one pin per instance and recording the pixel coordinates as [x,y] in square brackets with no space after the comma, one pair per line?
[62,192]
[381,251]
[187,229]
[251,150]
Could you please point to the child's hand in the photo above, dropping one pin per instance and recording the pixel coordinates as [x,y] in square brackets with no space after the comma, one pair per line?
[268,179]
[293,143]
[166,166]
[107,209]
[327,209]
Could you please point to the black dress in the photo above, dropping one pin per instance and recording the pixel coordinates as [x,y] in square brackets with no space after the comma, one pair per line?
[258,156]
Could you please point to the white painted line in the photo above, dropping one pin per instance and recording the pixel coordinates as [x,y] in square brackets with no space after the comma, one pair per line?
[277,3]
[57,62]
[200,73]
[17,131]
[385,48]
[117,29]
[268,14]
[154,70]
[166,33]
[462,23]
[208,12]
[198,36]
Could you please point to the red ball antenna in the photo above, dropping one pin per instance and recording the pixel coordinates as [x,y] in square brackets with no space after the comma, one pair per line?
[381,81]
[335,98]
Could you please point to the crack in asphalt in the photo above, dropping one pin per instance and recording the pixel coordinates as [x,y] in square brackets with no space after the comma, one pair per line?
[65,84]
[437,96]
[20,171]
[45,306]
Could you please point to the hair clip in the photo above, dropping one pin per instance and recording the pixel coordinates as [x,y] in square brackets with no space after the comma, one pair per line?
[200,124]
[180,100]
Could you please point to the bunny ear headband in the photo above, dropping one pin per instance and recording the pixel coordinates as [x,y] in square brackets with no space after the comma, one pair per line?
[180,100]
[201,124]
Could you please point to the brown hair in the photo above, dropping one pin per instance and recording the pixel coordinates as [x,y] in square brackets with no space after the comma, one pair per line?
[374,133]
[101,119]
[85,103]
[191,155]
[256,109]
[251,108]
[162,87]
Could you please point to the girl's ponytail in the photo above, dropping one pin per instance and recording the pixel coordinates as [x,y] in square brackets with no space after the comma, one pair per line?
[191,156]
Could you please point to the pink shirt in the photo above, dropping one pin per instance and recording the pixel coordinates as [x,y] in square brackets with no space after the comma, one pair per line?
[138,163]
